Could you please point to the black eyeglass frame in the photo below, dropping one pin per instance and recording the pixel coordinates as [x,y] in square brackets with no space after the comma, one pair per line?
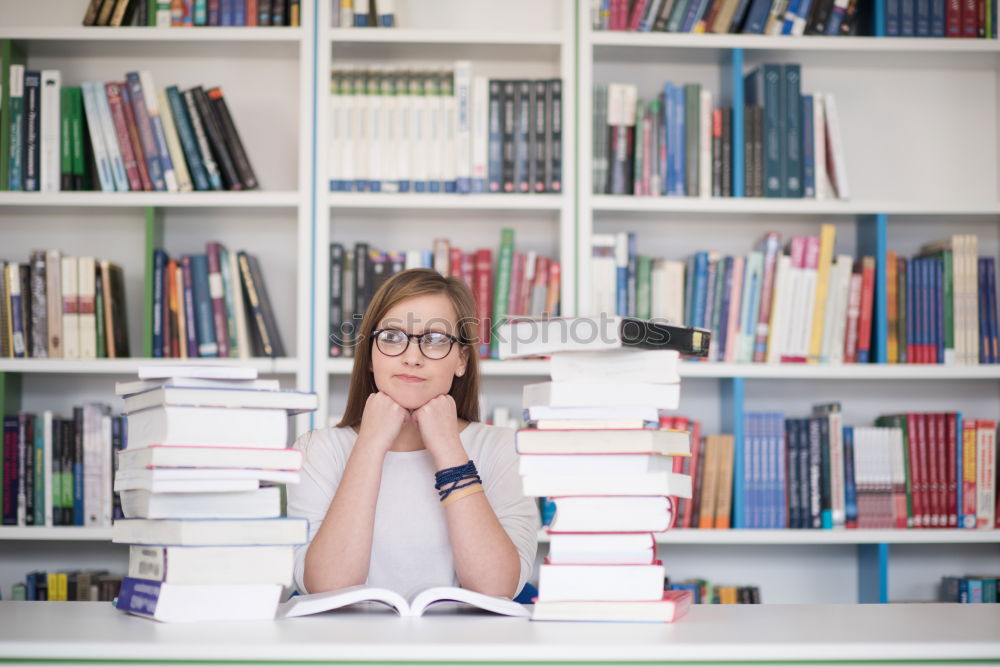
[410,337]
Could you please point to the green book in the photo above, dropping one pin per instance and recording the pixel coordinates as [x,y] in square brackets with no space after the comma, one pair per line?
[102,335]
[14,157]
[65,140]
[899,421]
[501,286]
[692,147]
[78,163]
[643,287]
[39,470]
[640,151]
[11,53]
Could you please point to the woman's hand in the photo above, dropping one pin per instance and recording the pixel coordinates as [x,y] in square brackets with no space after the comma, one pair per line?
[438,423]
[382,421]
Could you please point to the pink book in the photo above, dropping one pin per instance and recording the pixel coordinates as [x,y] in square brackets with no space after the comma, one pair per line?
[770,245]
[734,309]
[853,311]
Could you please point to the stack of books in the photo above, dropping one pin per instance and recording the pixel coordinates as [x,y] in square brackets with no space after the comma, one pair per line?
[594,445]
[206,447]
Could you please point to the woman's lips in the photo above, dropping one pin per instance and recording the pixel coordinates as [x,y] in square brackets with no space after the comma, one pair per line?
[409,378]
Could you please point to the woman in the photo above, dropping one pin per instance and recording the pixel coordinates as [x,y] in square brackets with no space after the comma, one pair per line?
[411,489]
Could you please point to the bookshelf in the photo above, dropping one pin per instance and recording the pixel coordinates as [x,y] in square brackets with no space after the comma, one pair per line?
[275,80]
[943,181]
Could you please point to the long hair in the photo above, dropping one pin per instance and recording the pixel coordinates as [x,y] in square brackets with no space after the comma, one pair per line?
[402,286]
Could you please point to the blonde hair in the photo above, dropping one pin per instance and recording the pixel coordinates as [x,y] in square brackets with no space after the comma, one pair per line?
[400,287]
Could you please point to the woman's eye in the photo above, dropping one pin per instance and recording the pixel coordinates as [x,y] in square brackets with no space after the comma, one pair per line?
[435,339]
[393,336]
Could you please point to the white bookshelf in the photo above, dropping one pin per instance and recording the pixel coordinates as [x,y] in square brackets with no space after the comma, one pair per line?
[906,112]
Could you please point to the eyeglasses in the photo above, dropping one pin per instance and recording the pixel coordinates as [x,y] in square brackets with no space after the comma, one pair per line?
[432,344]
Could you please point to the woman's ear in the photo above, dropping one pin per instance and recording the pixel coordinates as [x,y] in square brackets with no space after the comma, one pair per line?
[463,357]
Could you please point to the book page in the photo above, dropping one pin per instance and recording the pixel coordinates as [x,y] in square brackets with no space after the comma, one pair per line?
[421,599]
[303,605]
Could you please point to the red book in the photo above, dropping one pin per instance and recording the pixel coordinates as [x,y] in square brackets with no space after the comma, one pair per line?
[953,18]
[935,467]
[217,294]
[113,90]
[980,18]
[691,506]
[252,12]
[638,9]
[916,481]
[484,298]
[134,139]
[865,313]
[968,481]
[468,270]
[455,262]
[526,283]
[923,461]
[853,315]
[970,18]
[552,295]
[953,437]
[945,473]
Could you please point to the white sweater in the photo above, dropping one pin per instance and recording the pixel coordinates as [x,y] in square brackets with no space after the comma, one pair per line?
[410,546]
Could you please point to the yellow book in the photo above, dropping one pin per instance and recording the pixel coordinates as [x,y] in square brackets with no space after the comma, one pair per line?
[827,236]
[63,580]
[724,481]
[892,308]
[709,483]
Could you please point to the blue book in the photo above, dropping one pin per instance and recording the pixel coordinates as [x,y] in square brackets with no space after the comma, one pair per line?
[721,334]
[159,268]
[189,143]
[923,18]
[207,345]
[937,269]
[958,468]
[749,470]
[757,17]
[907,18]
[147,136]
[678,14]
[695,12]
[239,12]
[892,17]
[981,302]
[937,17]
[77,466]
[994,345]
[668,132]
[738,17]
[791,117]
[808,148]
[850,490]
[694,588]
[780,487]
[226,13]
[788,22]
[700,288]
[679,140]
[630,276]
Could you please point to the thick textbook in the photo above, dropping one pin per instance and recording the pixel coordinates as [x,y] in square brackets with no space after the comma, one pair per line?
[210,532]
[177,456]
[660,483]
[222,397]
[252,503]
[414,603]
[211,427]
[672,606]
[533,337]
[212,565]
[174,603]
[599,394]
[612,514]
[625,365]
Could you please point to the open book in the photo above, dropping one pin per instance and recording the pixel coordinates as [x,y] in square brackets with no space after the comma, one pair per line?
[413,603]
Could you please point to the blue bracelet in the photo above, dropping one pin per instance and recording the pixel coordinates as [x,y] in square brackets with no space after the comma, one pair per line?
[451,479]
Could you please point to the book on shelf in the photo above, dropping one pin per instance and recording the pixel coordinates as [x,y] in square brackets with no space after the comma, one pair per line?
[213,304]
[669,608]
[200,13]
[519,282]
[774,17]
[58,471]
[970,589]
[363,14]
[443,131]
[413,603]
[680,144]
[57,306]
[140,137]
[80,585]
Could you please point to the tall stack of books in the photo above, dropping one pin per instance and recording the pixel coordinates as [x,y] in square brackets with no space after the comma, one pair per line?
[206,449]
[594,445]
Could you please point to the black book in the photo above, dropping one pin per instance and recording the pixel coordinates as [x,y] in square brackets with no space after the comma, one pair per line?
[32,129]
[118,334]
[24,271]
[142,14]
[717,154]
[336,300]
[814,472]
[727,152]
[264,345]
[758,150]
[10,465]
[264,12]
[553,139]
[819,16]
[123,13]
[269,319]
[539,137]
[792,481]
[232,139]
[361,275]
[104,15]
[495,146]
[93,9]
[508,128]
[26,443]
[522,136]
[230,177]
[278,12]
[660,24]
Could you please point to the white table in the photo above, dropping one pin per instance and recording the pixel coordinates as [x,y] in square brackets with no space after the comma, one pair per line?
[93,631]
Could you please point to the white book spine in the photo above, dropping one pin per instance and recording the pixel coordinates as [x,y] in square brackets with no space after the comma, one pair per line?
[705,142]
[348,130]
[805,316]
[449,169]
[840,321]
[174,143]
[14,287]
[438,134]
[837,500]
[972,296]
[986,456]
[836,143]
[50,126]
[463,126]
[156,121]
[401,132]
[87,299]
[390,179]
[359,130]
[779,309]
[480,132]
[423,128]
[375,126]
[97,136]
[334,137]
[819,148]
[71,306]
[242,331]
[118,174]
[92,465]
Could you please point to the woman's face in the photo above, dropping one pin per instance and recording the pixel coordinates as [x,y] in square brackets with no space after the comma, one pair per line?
[411,378]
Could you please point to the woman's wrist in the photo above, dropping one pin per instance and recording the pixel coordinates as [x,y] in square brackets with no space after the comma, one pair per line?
[449,456]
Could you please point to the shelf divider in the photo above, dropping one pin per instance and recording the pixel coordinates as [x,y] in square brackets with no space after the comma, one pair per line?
[733,71]
[873,573]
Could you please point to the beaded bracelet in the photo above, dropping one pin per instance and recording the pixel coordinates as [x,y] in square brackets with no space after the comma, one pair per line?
[459,477]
